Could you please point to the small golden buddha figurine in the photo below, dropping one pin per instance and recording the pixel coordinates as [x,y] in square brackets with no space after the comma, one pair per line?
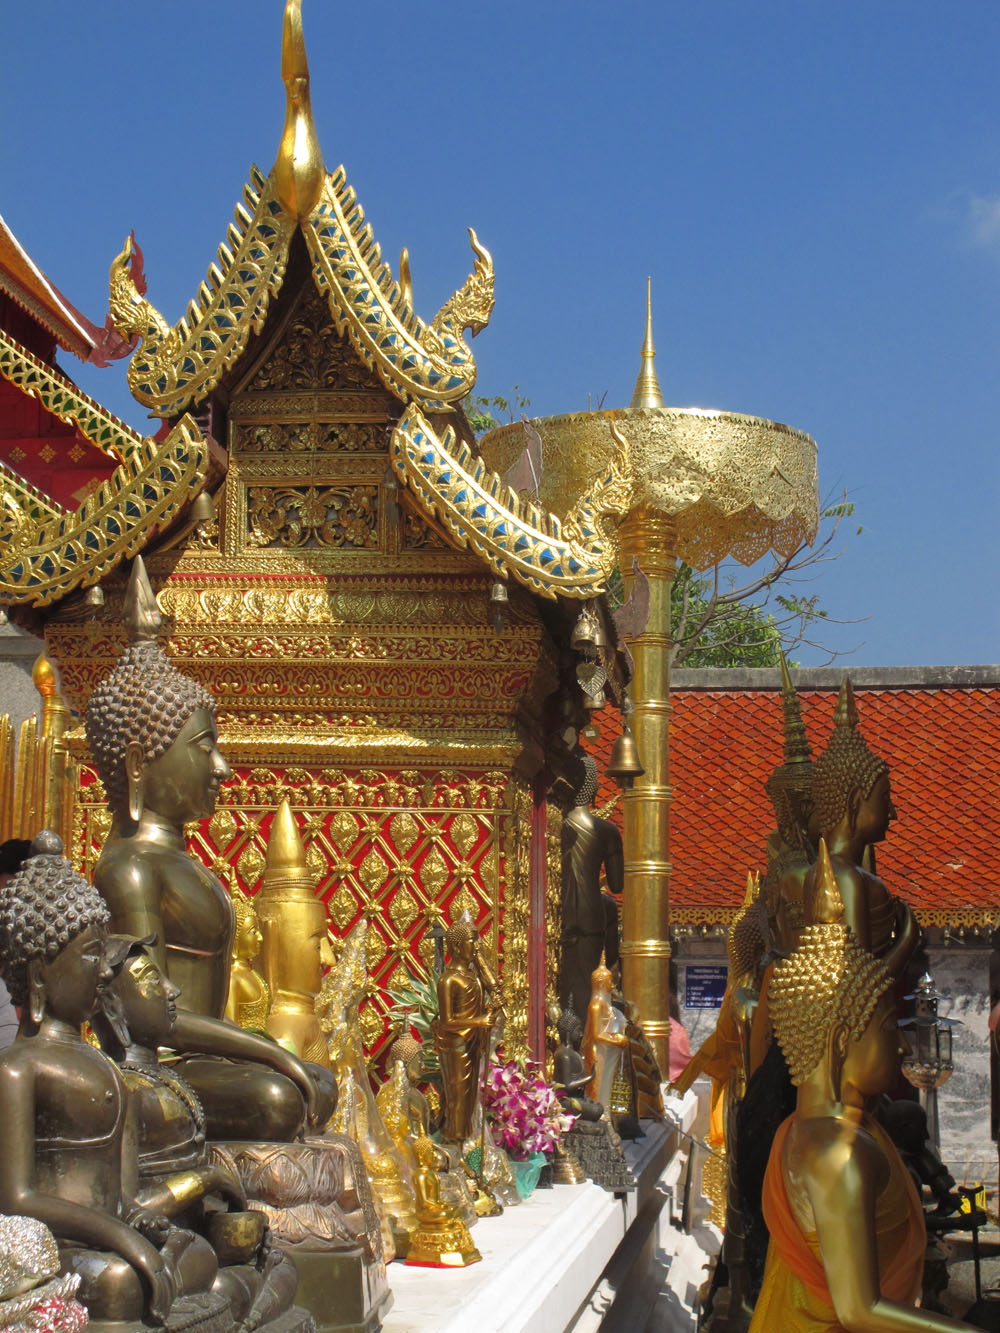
[589,844]
[406,1114]
[67,1159]
[461,1033]
[847,1228]
[357,1111]
[441,1239]
[853,811]
[603,1036]
[294,930]
[151,731]
[249,995]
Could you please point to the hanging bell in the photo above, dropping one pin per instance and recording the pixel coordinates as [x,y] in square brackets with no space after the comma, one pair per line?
[94,596]
[203,509]
[586,634]
[624,765]
[499,601]
[3,615]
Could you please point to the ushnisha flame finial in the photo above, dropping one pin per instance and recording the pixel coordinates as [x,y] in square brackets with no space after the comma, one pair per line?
[828,905]
[846,712]
[299,174]
[143,622]
[797,749]
[647,387]
[286,869]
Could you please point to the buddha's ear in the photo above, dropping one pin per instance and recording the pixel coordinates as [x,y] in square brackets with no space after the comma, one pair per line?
[840,1040]
[135,762]
[36,990]
[855,798]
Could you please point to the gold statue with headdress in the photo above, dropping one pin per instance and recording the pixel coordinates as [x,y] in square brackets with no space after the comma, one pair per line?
[249,995]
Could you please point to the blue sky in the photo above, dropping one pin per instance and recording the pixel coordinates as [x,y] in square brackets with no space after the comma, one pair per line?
[814,188]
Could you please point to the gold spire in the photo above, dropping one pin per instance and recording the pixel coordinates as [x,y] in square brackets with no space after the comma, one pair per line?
[846,712]
[286,870]
[299,174]
[143,621]
[797,749]
[647,387]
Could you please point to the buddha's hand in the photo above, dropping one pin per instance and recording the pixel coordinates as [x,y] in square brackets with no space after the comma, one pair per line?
[159,1277]
[153,1227]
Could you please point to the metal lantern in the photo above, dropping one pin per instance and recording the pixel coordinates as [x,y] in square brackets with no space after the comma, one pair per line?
[929,1064]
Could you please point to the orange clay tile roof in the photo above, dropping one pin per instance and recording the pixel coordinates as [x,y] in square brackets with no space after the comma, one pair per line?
[943,748]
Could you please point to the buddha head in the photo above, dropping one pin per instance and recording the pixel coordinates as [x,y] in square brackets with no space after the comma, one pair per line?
[292,918]
[248,938]
[584,777]
[53,932]
[407,1050]
[850,781]
[746,941]
[601,979]
[151,729]
[569,1027]
[831,1002]
[461,941]
[140,1005]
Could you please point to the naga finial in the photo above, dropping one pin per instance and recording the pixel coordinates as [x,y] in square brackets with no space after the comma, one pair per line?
[143,621]
[299,174]
[647,391]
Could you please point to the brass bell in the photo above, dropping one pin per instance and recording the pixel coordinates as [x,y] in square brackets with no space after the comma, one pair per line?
[203,509]
[624,765]
[587,634]
[499,601]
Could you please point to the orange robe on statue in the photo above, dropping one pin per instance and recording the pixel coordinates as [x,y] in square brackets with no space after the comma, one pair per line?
[795,1297]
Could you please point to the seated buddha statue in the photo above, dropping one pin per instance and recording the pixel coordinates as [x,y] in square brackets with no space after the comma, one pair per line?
[177,1173]
[847,1228]
[67,1158]
[152,735]
[441,1239]
[853,811]
[249,997]
[571,1076]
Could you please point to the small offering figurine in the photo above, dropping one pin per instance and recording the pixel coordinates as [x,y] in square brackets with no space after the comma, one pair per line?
[847,1229]
[441,1239]
[249,995]
[33,1295]
[604,1038]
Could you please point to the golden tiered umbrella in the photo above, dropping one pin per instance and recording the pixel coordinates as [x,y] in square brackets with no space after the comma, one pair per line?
[704,486]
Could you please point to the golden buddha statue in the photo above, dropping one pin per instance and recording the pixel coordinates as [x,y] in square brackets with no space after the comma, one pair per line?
[152,734]
[441,1239]
[604,1036]
[294,930]
[67,1159]
[853,812]
[357,1111]
[589,844]
[846,1224]
[461,1033]
[249,996]
[407,1117]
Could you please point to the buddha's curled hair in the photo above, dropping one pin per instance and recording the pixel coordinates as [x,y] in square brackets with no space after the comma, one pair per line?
[44,907]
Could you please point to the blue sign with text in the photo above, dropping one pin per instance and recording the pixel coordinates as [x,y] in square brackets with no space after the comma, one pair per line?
[704,985]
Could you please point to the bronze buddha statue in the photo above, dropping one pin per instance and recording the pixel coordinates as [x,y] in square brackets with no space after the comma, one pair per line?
[152,734]
[589,844]
[461,1034]
[853,811]
[68,1160]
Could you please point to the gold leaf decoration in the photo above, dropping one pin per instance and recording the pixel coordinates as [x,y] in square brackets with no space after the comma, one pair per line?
[344,829]
[400,978]
[464,832]
[316,862]
[250,864]
[373,872]
[222,828]
[343,907]
[403,910]
[434,872]
[463,901]
[426,950]
[374,949]
[372,1025]
[404,830]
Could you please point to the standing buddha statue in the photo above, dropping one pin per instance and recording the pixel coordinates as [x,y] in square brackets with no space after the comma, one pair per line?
[604,1036]
[847,1228]
[152,734]
[249,996]
[294,930]
[461,1034]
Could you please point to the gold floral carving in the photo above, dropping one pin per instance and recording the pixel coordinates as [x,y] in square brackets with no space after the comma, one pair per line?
[250,864]
[332,516]
[222,827]
[404,831]
[312,355]
[310,437]
[553,898]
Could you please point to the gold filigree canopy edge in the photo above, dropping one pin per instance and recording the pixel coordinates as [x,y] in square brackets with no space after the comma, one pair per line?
[44,562]
[735,486]
[571,557]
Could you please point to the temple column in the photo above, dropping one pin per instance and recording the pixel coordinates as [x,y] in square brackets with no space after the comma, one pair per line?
[650,537]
